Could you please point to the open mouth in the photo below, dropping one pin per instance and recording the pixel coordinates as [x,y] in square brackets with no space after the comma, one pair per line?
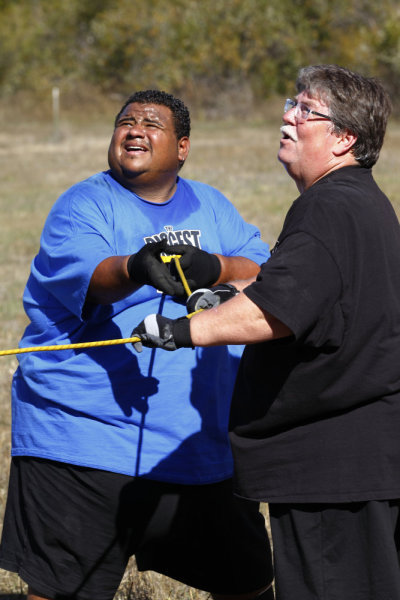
[134,148]
[289,133]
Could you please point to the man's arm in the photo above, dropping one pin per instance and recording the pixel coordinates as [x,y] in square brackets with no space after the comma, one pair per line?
[234,268]
[117,276]
[110,281]
[205,269]
[238,321]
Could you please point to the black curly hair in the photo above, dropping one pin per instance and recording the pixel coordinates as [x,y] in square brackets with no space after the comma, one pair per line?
[179,111]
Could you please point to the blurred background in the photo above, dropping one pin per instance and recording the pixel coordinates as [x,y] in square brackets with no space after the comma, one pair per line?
[222,57]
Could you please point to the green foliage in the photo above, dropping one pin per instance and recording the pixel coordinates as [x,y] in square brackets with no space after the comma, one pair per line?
[197,48]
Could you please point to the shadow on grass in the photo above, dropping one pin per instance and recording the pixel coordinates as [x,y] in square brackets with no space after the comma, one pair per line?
[12,596]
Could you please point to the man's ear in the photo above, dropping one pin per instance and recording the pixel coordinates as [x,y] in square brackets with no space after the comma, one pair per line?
[344,143]
[183,149]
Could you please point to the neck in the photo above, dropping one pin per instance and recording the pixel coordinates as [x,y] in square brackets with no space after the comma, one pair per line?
[304,184]
[158,192]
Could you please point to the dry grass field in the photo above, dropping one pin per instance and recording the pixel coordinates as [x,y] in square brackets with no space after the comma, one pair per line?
[239,158]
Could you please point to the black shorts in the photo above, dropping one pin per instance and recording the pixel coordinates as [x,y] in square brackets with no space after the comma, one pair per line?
[69,532]
[336,551]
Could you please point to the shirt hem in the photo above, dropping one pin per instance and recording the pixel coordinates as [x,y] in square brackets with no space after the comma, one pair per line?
[169,477]
[309,498]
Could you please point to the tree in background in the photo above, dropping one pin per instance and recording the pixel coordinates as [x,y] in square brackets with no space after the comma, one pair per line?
[200,49]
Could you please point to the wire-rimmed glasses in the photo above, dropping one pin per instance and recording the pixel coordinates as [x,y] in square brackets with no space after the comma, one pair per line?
[302,112]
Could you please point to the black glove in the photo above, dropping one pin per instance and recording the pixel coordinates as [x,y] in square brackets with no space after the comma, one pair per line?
[207,298]
[147,268]
[156,331]
[201,268]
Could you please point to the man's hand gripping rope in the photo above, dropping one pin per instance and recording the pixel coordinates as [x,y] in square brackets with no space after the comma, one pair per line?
[155,331]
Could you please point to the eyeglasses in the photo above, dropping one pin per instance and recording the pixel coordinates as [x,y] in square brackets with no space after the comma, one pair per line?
[302,112]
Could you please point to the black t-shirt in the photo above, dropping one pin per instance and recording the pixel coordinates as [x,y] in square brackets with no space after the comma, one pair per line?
[316,417]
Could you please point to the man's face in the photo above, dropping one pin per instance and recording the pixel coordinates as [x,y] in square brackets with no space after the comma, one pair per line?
[306,146]
[144,149]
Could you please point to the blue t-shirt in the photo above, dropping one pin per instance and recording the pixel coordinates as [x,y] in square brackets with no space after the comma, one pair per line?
[161,415]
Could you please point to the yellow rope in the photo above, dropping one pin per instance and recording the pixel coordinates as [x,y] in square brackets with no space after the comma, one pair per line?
[182,275]
[167,258]
[69,346]
[130,340]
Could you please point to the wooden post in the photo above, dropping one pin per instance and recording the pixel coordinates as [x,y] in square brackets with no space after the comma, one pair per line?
[55,93]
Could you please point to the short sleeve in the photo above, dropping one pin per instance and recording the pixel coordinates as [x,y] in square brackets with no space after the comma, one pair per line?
[76,237]
[301,286]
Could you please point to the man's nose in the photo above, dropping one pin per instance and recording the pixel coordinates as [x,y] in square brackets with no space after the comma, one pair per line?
[289,116]
[136,130]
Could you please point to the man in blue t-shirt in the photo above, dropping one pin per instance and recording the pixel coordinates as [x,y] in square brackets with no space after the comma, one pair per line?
[116,454]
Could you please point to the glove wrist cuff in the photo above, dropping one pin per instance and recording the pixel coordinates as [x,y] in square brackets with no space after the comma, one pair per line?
[129,266]
[214,270]
[181,333]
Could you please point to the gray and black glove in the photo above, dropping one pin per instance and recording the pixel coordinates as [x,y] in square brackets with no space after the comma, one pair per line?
[156,331]
[208,297]
[147,268]
[200,268]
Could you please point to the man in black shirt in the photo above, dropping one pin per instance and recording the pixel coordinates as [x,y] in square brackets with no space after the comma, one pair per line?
[315,417]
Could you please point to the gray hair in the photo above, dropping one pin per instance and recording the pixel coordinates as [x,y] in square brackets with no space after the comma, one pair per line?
[357,104]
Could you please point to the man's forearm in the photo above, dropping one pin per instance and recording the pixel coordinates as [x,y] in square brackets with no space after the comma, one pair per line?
[236,267]
[110,281]
[237,321]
